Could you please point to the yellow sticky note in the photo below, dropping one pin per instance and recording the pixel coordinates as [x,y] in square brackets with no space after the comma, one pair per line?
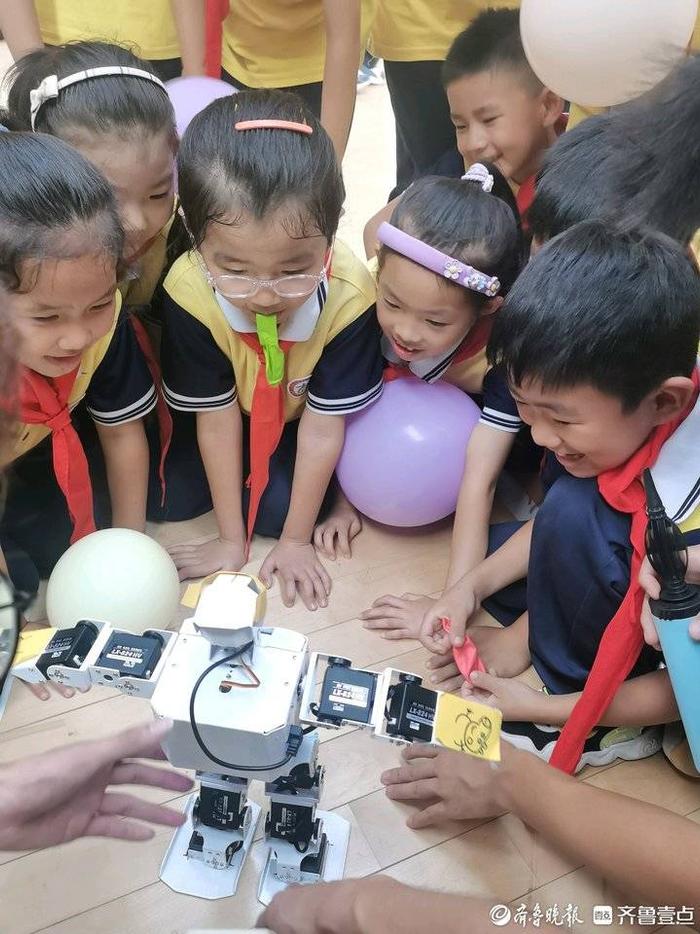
[469,727]
[32,643]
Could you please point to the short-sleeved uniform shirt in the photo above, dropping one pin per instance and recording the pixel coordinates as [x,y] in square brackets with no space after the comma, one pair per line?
[113,380]
[334,365]
[280,43]
[472,375]
[147,26]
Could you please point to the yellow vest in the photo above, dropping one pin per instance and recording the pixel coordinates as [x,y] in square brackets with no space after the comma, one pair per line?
[350,294]
[28,436]
[280,43]
[423,30]
[147,26]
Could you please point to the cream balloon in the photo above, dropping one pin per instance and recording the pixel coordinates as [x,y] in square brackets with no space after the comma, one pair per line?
[599,53]
[116,576]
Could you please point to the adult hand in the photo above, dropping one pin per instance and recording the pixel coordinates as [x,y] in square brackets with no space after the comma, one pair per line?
[297,568]
[198,559]
[445,785]
[61,794]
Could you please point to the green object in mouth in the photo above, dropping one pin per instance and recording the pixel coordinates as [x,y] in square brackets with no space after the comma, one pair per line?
[266,326]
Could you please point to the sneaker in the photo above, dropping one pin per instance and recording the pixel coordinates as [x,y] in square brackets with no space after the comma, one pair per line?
[603,746]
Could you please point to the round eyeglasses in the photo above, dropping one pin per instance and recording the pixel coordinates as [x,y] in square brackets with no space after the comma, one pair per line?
[236,287]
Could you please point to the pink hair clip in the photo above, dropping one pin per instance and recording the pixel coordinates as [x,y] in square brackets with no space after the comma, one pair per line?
[274,125]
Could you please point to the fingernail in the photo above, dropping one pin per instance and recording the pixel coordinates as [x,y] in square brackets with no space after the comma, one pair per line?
[44,695]
[433,679]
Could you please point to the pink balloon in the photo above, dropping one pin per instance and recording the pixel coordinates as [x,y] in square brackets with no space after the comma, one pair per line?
[190,95]
[403,458]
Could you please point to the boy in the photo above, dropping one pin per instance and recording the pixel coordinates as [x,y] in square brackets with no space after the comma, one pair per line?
[599,338]
[500,110]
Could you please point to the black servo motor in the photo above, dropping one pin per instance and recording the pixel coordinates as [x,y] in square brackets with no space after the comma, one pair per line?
[68,647]
[347,693]
[411,709]
[132,655]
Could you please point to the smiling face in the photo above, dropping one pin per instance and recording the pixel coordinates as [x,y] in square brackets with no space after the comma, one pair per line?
[263,248]
[68,305]
[141,171]
[500,118]
[422,315]
[588,431]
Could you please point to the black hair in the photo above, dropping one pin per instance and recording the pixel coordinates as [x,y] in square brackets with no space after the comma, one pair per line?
[491,41]
[48,190]
[123,104]
[459,218]
[616,310]
[658,154]
[223,172]
[577,181]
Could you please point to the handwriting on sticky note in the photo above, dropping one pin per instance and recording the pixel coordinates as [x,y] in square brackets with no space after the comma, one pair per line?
[467,726]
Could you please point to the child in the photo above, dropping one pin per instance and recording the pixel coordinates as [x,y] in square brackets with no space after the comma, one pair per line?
[60,246]
[168,33]
[121,121]
[500,110]
[437,328]
[599,338]
[267,309]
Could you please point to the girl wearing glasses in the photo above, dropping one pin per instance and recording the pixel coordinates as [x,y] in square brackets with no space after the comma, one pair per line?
[269,331]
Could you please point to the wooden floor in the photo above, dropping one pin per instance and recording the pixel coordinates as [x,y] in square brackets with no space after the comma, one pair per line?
[103,886]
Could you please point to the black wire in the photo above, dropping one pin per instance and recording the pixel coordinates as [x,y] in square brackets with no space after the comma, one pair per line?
[308,729]
[195,730]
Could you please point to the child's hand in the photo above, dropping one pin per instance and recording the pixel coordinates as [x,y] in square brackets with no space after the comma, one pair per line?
[198,559]
[332,537]
[515,699]
[43,690]
[297,568]
[458,604]
[447,676]
[397,617]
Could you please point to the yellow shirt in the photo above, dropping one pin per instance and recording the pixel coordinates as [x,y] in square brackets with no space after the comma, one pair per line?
[350,294]
[423,30]
[280,43]
[147,25]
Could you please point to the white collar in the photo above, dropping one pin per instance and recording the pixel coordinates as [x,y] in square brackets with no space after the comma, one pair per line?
[676,472]
[429,368]
[299,326]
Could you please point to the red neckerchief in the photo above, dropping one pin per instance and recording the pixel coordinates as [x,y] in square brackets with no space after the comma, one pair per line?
[473,343]
[216,12]
[526,192]
[44,401]
[165,419]
[622,640]
[266,426]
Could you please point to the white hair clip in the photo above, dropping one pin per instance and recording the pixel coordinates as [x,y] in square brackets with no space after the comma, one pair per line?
[479,173]
[50,87]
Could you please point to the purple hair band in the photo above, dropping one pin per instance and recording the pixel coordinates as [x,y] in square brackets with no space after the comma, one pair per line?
[436,261]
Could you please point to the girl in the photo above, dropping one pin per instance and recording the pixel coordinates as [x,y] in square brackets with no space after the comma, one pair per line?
[450,254]
[60,245]
[266,309]
[123,122]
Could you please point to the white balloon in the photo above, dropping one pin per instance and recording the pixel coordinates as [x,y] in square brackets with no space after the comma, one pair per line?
[115,576]
[604,52]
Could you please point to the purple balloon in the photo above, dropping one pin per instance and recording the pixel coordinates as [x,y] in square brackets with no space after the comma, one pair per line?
[403,458]
[190,95]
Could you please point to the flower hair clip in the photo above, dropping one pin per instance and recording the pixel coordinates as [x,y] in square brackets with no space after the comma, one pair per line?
[477,172]
[438,262]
